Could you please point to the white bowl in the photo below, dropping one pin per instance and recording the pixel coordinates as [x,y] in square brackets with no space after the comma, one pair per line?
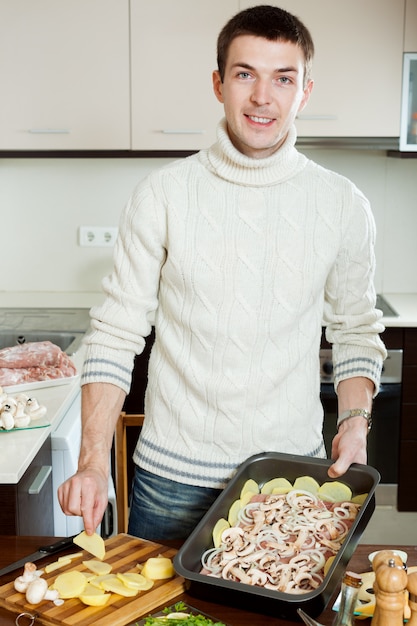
[403,555]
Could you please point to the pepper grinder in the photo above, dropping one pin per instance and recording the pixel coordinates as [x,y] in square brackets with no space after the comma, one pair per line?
[349,593]
[412,598]
[391,583]
[382,558]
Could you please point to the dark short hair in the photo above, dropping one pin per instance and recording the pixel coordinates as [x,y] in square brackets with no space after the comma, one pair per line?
[270,23]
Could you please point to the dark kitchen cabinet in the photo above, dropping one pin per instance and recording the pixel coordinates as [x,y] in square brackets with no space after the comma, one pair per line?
[27,507]
[407,493]
[406,338]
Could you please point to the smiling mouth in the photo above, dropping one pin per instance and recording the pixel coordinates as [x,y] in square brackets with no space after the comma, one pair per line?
[260,120]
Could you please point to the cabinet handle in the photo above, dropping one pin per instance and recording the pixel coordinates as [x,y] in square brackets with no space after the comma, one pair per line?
[49,131]
[319,118]
[40,480]
[179,131]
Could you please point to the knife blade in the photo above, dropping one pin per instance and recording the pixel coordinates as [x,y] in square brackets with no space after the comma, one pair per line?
[41,552]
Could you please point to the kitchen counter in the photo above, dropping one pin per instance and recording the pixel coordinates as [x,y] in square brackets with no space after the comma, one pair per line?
[405,304]
[13,548]
[45,299]
[18,448]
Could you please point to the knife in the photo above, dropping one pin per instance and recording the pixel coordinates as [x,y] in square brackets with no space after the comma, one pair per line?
[42,551]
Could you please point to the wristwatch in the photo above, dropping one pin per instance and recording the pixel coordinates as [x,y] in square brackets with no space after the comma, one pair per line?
[354,413]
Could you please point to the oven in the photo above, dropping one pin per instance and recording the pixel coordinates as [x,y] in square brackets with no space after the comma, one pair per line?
[384,437]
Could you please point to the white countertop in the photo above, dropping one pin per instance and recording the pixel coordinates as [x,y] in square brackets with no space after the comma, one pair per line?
[47,299]
[405,304]
[18,448]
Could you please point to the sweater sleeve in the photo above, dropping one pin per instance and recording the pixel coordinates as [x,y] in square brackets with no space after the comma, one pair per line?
[352,323]
[120,325]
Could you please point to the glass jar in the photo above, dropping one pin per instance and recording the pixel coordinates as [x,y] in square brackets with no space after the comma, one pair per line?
[349,594]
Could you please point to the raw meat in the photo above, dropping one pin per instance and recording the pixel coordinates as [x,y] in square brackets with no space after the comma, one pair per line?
[33,362]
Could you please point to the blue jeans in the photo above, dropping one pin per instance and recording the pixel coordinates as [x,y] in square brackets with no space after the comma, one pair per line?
[165,509]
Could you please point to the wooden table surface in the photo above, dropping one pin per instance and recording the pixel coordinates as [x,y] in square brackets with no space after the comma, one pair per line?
[13,548]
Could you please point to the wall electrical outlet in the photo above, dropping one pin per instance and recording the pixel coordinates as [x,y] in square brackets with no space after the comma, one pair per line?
[98,236]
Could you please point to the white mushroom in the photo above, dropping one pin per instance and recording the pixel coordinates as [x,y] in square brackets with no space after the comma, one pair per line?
[23,398]
[20,410]
[10,405]
[6,420]
[34,409]
[29,574]
[22,422]
[38,591]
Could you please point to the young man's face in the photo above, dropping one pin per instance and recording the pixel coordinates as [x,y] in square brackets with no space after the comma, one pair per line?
[262,92]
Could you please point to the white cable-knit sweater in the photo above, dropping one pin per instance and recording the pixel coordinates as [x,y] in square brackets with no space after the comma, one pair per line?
[237,262]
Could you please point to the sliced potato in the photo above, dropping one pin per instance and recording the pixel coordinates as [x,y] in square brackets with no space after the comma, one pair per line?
[115,585]
[98,580]
[360,498]
[334,491]
[92,596]
[233,512]
[70,584]
[247,497]
[306,483]
[281,484]
[219,527]
[136,581]
[328,564]
[61,562]
[94,544]
[74,555]
[98,567]
[250,485]
[158,568]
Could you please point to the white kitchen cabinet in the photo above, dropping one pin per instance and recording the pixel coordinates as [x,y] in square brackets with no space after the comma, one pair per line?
[357,67]
[410,31]
[173,57]
[64,75]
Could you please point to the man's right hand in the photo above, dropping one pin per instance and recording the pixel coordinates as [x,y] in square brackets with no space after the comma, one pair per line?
[85,494]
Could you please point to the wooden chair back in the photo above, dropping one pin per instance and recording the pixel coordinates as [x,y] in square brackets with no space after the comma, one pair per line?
[120,466]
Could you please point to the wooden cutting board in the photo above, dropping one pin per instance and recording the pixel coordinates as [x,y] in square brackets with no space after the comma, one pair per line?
[123,552]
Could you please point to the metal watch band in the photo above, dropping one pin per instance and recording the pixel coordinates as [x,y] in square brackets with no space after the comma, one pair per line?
[354,413]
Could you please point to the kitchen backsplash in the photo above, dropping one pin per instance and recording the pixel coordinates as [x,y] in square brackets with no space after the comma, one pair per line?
[44,202]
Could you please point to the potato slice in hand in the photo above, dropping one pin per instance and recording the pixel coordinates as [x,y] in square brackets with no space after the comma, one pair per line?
[94,544]
[98,567]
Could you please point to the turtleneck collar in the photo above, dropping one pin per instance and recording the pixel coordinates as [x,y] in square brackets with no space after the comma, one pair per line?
[225,161]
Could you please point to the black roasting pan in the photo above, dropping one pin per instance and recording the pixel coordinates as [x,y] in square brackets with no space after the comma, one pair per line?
[262,468]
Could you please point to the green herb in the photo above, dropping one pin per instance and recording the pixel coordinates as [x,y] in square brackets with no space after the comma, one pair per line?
[190,620]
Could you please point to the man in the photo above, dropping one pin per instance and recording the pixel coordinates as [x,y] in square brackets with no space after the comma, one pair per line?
[236,255]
